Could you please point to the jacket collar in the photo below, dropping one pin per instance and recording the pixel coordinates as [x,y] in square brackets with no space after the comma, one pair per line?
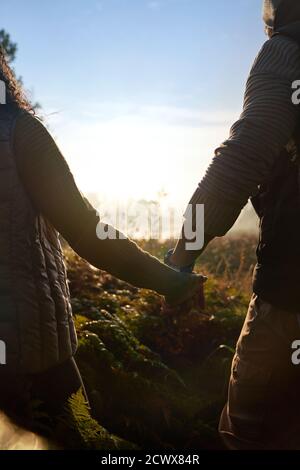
[291,30]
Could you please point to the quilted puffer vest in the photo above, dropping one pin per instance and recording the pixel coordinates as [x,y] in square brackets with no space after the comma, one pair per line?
[36,325]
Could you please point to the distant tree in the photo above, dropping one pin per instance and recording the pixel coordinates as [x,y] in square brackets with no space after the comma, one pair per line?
[9,46]
[11,49]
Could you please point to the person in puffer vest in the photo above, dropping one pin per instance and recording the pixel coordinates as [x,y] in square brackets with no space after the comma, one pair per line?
[39,200]
[260,160]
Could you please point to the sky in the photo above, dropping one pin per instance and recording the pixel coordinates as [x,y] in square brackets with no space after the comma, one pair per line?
[137,93]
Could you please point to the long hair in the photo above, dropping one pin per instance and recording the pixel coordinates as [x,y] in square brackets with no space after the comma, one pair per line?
[15,93]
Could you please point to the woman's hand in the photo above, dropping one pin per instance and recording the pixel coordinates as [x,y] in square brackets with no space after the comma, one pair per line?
[189,288]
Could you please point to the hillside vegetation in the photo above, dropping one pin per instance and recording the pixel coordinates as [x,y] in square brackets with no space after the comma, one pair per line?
[155,379]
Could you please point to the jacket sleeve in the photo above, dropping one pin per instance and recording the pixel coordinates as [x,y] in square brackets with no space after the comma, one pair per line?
[54,193]
[245,160]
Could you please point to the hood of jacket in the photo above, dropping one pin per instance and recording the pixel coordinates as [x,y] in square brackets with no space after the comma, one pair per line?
[283,16]
[281,13]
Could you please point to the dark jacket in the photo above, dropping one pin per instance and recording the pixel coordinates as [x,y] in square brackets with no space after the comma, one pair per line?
[277,274]
[36,321]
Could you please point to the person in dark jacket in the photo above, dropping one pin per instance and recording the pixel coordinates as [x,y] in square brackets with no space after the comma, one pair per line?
[38,200]
[260,160]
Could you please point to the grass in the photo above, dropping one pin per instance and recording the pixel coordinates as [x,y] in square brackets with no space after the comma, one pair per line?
[154,380]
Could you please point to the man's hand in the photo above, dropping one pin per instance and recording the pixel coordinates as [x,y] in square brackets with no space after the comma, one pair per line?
[183,268]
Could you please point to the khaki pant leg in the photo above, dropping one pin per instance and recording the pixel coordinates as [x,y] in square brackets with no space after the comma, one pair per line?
[263,408]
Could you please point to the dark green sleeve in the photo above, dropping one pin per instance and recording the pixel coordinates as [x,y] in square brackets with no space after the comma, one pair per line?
[53,192]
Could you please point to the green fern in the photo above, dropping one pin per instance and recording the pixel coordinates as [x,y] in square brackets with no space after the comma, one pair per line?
[83,431]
